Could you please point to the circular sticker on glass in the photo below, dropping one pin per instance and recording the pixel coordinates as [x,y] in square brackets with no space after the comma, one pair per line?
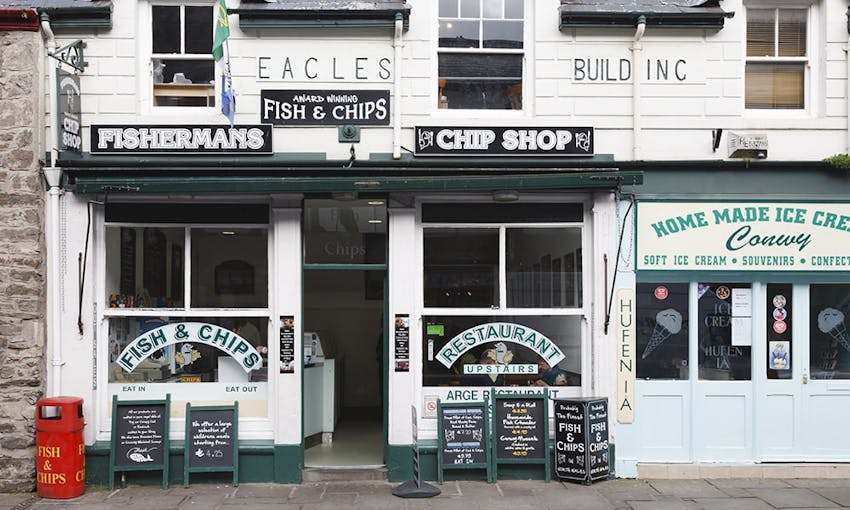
[723,292]
[661,292]
[780,314]
[779,301]
[780,327]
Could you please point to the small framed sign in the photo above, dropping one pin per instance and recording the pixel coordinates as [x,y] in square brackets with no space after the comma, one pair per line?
[139,437]
[212,440]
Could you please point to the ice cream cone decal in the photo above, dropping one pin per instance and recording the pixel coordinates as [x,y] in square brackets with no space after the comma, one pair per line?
[667,322]
[831,322]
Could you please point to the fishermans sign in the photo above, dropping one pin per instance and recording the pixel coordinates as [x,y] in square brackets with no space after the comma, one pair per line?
[500,332]
[187,333]
[743,236]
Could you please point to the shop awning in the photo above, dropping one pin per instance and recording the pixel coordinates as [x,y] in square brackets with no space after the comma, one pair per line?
[227,184]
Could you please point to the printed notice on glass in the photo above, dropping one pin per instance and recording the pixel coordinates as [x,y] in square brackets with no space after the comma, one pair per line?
[402,343]
[742,313]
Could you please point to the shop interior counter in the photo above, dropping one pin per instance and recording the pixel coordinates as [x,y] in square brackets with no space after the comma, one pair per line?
[321,398]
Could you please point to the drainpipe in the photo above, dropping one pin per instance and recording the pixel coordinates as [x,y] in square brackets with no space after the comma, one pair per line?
[53,175]
[397,87]
[636,49]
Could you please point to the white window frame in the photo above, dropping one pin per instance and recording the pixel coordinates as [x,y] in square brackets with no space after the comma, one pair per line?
[527,60]
[811,90]
[145,80]
[581,311]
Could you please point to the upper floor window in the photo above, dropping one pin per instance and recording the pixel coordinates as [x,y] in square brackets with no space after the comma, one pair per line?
[777,58]
[480,54]
[183,67]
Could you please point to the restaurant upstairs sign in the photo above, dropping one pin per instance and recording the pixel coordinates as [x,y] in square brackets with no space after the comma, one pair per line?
[743,236]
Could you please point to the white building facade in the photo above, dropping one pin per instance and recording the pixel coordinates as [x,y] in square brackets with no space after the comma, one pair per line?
[411,192]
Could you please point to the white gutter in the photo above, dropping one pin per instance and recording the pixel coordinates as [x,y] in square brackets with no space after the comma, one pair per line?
[847,98]
[636,49]
[53,175]
[397,87]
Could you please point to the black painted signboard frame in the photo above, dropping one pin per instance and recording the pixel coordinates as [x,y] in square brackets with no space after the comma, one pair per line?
[520,430]
[139,437]
[581,439]
[212,440]
[464,437]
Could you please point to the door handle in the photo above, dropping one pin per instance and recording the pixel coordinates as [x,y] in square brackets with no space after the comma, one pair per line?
[805,378]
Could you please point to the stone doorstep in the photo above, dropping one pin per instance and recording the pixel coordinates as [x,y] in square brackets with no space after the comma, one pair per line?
[664,471]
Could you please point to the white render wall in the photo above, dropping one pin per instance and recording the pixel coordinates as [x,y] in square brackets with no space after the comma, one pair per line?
[676,117]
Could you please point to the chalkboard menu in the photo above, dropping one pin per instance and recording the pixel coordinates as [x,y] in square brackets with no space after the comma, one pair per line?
[212,442]
[462,430]
[139,437]
[521,429]
[581,439]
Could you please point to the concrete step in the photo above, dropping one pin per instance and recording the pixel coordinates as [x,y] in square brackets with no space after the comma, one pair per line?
[344,474]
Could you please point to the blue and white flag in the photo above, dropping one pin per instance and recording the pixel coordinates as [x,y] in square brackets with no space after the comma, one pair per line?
[221,54]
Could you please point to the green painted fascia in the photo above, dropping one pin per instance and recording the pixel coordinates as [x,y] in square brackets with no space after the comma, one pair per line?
[706,21]
[400,463]
[76,18]
[384,184]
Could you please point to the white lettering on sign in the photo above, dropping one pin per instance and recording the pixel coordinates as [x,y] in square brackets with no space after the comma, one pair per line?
[500,331]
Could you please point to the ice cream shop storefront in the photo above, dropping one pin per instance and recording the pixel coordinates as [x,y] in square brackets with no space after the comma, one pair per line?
[741,353]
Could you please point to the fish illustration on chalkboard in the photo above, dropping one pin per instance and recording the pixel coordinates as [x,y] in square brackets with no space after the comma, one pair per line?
[137,455]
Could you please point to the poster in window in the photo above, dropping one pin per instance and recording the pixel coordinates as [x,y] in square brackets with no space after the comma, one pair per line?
[829,356]
[661,319]
[402,343]
[779,307]
[287,344]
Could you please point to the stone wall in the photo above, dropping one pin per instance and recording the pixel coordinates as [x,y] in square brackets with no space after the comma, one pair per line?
[22,259]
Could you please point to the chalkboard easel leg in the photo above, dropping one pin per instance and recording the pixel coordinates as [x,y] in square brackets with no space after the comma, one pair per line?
[123,480]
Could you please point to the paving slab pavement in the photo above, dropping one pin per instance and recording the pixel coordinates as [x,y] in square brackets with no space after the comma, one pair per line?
[620,494]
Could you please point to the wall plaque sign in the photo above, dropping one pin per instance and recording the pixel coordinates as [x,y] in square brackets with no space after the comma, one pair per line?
[325,107]
[177,139]
[503,141]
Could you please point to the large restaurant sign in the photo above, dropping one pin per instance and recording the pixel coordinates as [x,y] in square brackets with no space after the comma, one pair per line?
[177,139]
[325,107]
[503,141]
[743,236]
[500,332]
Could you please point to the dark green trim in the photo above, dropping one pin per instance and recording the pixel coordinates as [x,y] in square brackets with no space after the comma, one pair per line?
[345,267]
[711,20]
[116,184]
[97,17]
[288,462]
[254,16]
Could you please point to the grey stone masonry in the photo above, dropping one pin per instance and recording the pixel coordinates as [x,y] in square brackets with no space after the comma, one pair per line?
[22,259]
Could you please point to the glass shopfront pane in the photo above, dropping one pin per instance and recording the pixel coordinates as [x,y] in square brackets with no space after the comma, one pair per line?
[213,351]
[719,358]
[345,231]
[829,348]
[230,268]
[543,267]
[144,267]
[461,267]
[661,328]
[501,351]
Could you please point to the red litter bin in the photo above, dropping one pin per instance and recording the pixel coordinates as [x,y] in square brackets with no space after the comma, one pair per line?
[60,452]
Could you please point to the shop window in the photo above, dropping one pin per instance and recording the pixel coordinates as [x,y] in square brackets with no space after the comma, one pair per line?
[181,60]
[180,340]
[501,350]
[661,329]
[723,343]
[461,267]
[480,59]
[543,267]
[777,58]
[779,331]
[829,349]
[345,231]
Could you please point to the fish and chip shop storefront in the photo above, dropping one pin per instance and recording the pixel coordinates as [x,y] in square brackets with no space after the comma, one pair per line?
[316,304]
[741,353]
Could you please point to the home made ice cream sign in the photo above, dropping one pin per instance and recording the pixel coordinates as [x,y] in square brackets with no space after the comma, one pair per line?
[743,236]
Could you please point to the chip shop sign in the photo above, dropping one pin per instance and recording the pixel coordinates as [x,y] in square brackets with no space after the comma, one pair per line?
[743,236]
[176,139]
[503,141]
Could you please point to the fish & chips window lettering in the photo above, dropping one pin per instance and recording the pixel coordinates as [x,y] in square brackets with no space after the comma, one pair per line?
[187,292]
[502,298]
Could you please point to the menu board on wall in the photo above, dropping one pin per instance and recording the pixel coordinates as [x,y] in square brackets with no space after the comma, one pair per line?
[287,344]
[139,437]
[212,440]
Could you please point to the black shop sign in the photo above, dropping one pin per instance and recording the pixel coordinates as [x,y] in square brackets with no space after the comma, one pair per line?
[325,107]
[139,437]
[181,139]
[503,141]
[581,439]
[212,440]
